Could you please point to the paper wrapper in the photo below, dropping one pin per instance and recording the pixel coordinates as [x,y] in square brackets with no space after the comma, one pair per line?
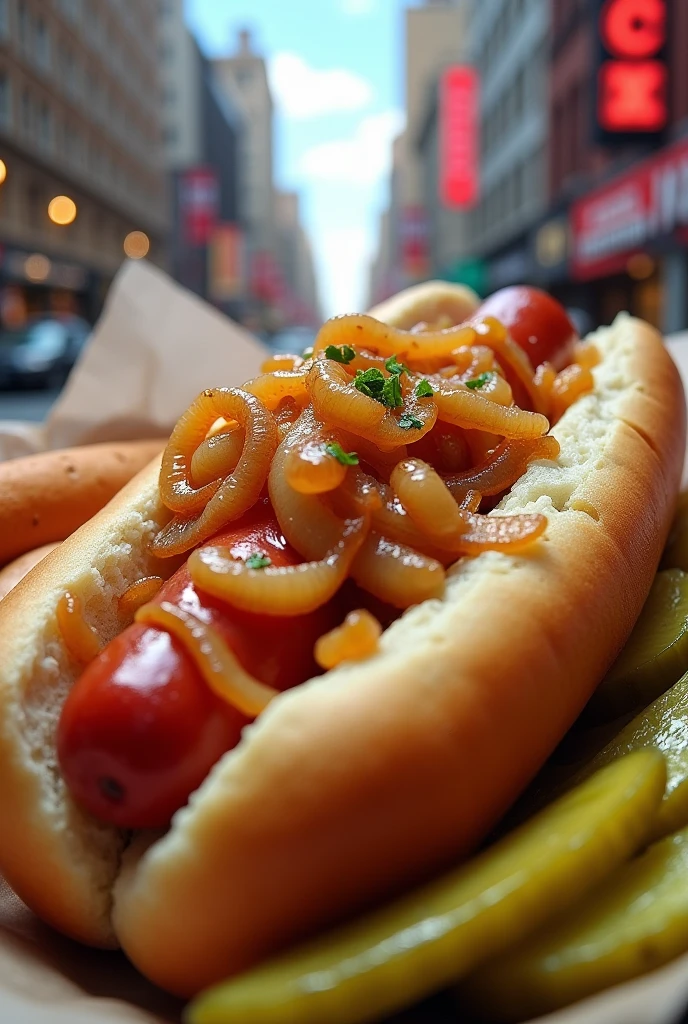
[153,350]
[155,347]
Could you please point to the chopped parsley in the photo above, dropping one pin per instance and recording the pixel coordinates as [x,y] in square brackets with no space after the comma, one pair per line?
[478,382]
[408,422]
[424,389]
[370,382]
[258,560]
[392,365]
[340,353]
[391,392]
[346,458]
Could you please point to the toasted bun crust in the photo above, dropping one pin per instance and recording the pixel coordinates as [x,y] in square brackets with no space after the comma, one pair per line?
[427,303]
[355,784]
[44,498]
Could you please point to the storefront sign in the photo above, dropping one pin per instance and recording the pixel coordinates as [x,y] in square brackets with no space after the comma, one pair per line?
[458,130]
[616,220]
[632,73]
[198,197]
[227,267]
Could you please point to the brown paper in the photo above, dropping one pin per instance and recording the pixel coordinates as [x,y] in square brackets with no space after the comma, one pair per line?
[45,978]
[154,348]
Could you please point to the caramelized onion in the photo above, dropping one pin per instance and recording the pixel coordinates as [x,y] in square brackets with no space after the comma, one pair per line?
[138,594]
[427,500]
[511,357]
[463,407]
[79,638]
[357,637]
[543,381]
[216,457]
[587,354]
[286,415]
[508,462]
[311,469]
[382,461]
[307,523]
[277,590]
[500,533]
[396,574]
[234,495]
[472,360]
[570,384]
[471,501]
[273,388]
[217,664]
[281,361]
[391,520]
[337,402]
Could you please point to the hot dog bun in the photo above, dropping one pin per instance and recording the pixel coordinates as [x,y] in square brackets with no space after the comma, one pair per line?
[13,572]
[45,497]
[429,302]
[374,775]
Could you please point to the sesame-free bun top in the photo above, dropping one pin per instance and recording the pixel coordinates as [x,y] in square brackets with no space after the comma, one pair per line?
[370,777]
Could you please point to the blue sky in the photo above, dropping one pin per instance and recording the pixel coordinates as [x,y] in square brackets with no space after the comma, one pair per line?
[336,72]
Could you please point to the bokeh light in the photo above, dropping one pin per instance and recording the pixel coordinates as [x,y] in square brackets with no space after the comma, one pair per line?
[639,266]
[62,210]
[37,267]
[136,245]
[3,171]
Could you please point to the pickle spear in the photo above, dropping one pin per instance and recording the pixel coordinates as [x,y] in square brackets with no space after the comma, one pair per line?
[396,955]
[655,656]
[635,922]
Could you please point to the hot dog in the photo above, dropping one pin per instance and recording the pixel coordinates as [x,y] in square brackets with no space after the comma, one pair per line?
[383,769]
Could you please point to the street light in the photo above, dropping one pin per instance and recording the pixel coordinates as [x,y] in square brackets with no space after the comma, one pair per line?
[3,171]
[37,267]
[136,245]
[62,210]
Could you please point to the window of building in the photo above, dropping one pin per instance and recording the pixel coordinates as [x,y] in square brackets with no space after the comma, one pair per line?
[24,19]
[5,100]
[42,44]
[26,112]
[45,125]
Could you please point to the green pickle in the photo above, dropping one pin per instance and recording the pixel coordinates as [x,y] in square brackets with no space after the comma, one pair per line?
[676,551]
[435,935]
[655,656]
[633,923]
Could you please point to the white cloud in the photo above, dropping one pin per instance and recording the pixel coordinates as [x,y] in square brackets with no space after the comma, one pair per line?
[303,91]
[357,8]
[343,258]
[362,158]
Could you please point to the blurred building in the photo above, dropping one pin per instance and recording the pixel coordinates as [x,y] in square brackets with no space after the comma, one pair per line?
[281,286]
[616,234]
[79,119]
[203,137]
[300,290]
[509,41]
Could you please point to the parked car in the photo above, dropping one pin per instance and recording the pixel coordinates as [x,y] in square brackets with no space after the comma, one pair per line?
[42,352]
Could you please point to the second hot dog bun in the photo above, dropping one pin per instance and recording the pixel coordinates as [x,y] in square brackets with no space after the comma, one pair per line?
[15,571]
[353,785]
[429,302]
[45,497]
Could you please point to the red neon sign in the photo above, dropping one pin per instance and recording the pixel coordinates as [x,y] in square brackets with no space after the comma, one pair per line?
[635,29]
[458,114]
[632,81]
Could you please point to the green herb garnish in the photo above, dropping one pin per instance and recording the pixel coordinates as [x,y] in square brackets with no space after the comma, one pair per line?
[307,353]
[392,365]
[478,382]
[258,560]
[391,392]
[370,382]
[408,422]
[346,458]
[340,353]
[424,389]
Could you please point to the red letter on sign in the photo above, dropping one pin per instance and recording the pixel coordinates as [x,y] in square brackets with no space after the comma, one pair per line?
[632,96]
[633,28]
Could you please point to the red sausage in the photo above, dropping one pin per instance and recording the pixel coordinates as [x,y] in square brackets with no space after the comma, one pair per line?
[140,729]
[536,322]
